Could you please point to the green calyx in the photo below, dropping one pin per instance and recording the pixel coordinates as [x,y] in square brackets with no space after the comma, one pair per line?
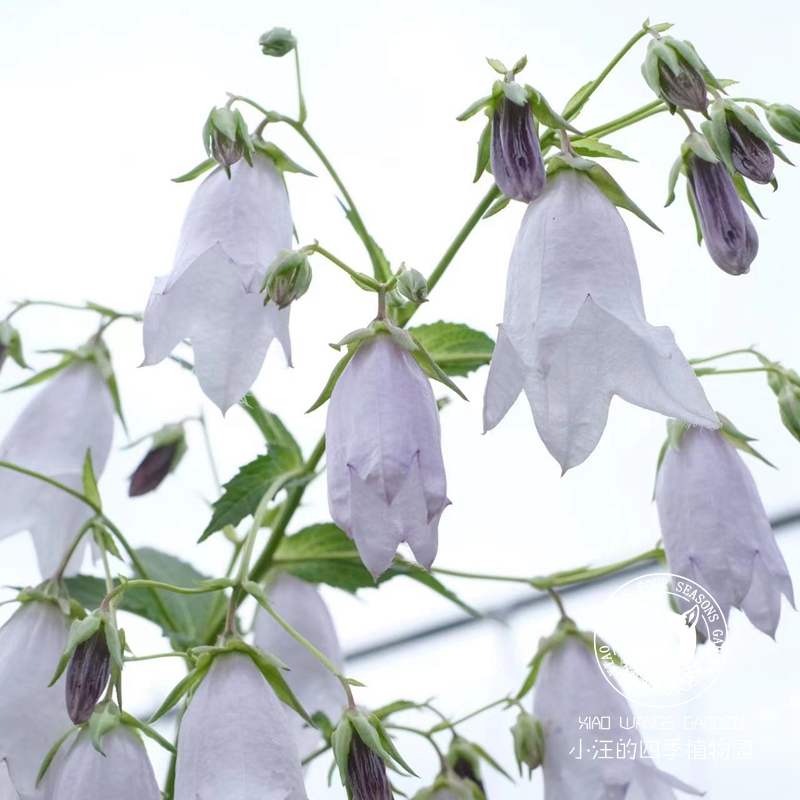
[785,121]
[277,42]
[528,742]
[369,728]
[678,56]
[271,667]
[11,344]
[448,786]
[226,138]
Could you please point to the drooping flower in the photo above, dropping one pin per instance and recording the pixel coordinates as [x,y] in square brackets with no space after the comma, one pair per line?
[232,232]
[675,72]
[730,236]
[73,413]
[570,686]
[122,771]
[314,685]
[235,741]
[716,531]
[516,156]
[386,478]
[32,716]
[574,331]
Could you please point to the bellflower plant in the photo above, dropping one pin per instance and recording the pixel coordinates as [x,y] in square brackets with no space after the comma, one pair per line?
[32,713]
[72,414]
[570,685]
[716,531]
[235,740]
[574,331]
[232,232]
[121,770]
[386,479]
[250,717]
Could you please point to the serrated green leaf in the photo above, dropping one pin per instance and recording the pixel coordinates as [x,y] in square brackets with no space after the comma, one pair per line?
[196,172]
[242,494]
[588,146]
[455,347]
[274,431]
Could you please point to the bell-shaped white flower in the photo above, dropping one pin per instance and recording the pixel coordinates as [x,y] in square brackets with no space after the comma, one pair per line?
[314,685]
[233,230]
[73,413]
[715,529]
[571,686]
[235,741]
[386,479]
[574,332]
[122,771]
[32,716]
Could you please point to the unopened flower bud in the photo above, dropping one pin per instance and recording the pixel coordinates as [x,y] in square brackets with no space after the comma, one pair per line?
[167,449]
[87,676]
[366,773]
[751,155]
[516,156]
[10,344]
[226,138]
[528,741]
[785,120]
[412,285]
[675,73]
[465,761]
[277,42]
[287,278]
[730,236]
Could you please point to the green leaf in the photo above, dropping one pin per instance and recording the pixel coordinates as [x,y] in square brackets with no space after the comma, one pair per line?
[183,687]
[473,109]
[544,112]
[274,431]
[243,492]
[281,160]
[327,390]
[133,722]
[196,172]
[51,753]
[577,101]
[489,760]
[90,482]
[588,146]
[324,554]
[455,347]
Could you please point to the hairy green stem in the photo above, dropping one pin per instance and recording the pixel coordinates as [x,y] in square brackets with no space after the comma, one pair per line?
[727,353]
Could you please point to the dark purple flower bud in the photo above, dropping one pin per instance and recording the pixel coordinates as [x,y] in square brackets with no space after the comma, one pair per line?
[730,236]
[155,466]
[366,773]
[87,676]
[686,88]
[517,163]
[751,155]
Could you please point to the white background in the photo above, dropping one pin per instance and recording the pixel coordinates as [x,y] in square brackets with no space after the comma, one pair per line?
[104,102]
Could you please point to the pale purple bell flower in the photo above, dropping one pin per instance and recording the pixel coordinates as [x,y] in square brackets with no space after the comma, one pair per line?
[386,477]
[574,331]
[715,529]
[570,686]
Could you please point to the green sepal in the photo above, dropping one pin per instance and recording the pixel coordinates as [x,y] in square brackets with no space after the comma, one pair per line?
[577,101]
[105,718]
[80,631]
[44,374]
[327,391]
[113,639]
[484,150]
[601,178]
[697,143]
[474,108]
[497,206]
[10,340]
[196,172]
[51,753]
[182,688]
[744,193]
[497,65]
[132,722]
[739,440]
[698,228]
[340,744]
[545,114]
[432,369]
[388,744]
[588,146]
[282,161]
[718,136]
[90,482]
[674,172]
[564,628]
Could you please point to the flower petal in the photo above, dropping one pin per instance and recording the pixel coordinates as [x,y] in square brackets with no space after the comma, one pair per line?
[505,381]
